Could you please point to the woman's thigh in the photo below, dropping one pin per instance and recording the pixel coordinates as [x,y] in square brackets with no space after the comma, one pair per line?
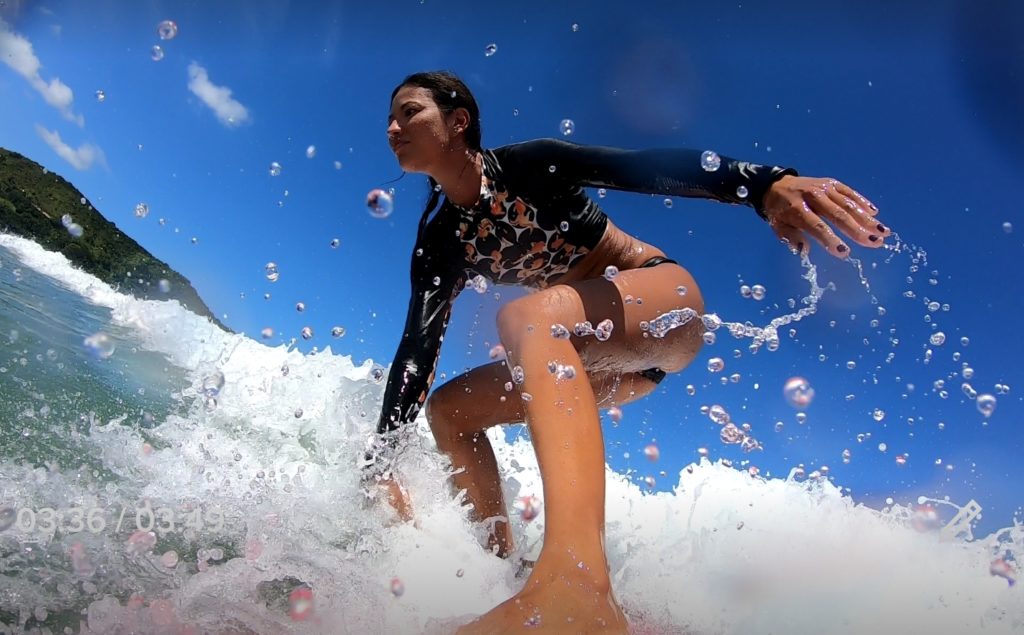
[631,300]
[480,398]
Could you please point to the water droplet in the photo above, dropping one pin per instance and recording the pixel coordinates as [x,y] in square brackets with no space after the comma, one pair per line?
[603,331]
[310,152]
[1008,227]
[167,30]
[75,230]
[601,192]
[156,53]
[744,291]
[300,306]
[652,452]
[100,344]
[164,285]
[337,165]
[757,292]
[716,364]
[307,333]
[567,127]
[490,49]
[275,168]
[937,339]
[272,273]
[575,28]
[710,161]
[986,404]
[518,375]
[846,456]
[379,203]
[101,96]
[337,331]
[798,392]
[267,333]
[334,243]
[878,414]
[742,191]
[882,448]
[681,290]
[558,331]
[298,413]
[564,226]
[718,414]
[551,169]
[709,338]
[667,202]
[141,210]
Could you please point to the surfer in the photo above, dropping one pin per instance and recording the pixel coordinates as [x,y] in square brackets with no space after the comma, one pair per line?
[518,214]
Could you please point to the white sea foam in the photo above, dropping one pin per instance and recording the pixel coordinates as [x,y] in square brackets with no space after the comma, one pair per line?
[723,553]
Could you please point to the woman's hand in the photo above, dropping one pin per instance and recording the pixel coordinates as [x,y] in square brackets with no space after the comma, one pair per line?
[397,497]
[798,206]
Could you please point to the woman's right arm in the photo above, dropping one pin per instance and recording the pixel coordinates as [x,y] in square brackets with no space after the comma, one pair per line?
[434,289]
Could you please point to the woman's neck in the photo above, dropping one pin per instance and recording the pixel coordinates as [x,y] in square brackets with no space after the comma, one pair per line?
[460,180]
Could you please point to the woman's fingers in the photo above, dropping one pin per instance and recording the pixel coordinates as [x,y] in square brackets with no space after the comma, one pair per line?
[790,236]
[849,218]
[811,222]
[854,195]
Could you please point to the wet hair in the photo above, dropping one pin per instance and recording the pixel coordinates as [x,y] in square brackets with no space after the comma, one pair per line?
[449,92]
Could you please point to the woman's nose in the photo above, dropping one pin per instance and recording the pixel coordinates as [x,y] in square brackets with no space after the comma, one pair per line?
[393,128]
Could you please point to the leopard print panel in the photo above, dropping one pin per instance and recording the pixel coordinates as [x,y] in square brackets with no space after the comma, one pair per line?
[509,241]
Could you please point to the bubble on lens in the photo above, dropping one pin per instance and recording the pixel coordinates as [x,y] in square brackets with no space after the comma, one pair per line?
[310,152]
[937,339]
[710,161]
[337,331]
[986,404]
[716,364]
[379,203]
[164,285]
[167,30]
[141,210]
[76,230]
[156,53]
[742,191]
[490,49]
[798,392]
[100,345]
[272,273]
[307,333]
[567,127]
[101,96]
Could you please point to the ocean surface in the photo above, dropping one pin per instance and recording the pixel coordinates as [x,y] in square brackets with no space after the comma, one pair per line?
[159,475]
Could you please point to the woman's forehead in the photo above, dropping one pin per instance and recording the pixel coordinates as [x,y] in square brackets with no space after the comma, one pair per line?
[411,93]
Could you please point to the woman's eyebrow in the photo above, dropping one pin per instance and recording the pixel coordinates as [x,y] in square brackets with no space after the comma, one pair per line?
[402,107]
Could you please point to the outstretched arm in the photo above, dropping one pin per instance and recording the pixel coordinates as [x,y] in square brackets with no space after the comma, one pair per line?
[668,171]
[796,207]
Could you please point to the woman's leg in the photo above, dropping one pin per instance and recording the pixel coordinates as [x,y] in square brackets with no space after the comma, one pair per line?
[459,413]
[570,581]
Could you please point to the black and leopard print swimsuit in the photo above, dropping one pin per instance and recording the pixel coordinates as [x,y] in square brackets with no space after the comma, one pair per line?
[532,223]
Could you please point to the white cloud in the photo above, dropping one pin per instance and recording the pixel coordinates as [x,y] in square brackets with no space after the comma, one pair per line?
[81,159]
[218,98]
[16,52]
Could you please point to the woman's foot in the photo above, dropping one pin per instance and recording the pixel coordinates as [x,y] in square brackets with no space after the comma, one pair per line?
[568,600]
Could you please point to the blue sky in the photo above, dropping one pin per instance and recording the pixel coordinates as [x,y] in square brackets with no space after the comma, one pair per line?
[917,109]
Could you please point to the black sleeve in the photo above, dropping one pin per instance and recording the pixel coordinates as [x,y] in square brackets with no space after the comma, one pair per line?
[435,285]
[669,172]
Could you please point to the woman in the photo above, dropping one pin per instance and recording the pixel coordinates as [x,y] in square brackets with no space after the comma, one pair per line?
[519,215]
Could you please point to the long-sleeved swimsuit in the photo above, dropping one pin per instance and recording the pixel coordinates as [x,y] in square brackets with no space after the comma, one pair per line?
[532,223]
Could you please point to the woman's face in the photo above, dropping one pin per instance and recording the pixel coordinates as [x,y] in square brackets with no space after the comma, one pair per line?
[418,132]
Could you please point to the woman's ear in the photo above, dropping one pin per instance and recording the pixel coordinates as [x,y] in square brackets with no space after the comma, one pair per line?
[460,119]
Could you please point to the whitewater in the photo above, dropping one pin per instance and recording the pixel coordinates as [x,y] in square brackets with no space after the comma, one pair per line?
[272,532]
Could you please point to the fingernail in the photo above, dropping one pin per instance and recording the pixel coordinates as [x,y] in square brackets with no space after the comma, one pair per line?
[872,238]
[881,227]
[841,249]
[873,206]
[800,247]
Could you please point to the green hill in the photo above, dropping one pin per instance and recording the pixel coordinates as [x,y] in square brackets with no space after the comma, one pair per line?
[33,202]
